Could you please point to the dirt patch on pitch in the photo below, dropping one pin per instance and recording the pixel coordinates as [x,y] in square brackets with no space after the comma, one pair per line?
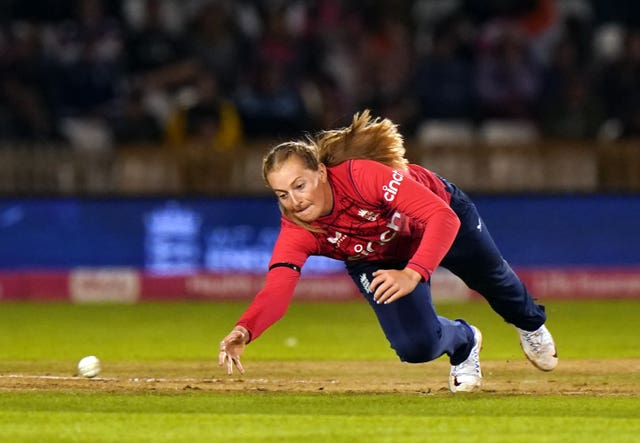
[571,377]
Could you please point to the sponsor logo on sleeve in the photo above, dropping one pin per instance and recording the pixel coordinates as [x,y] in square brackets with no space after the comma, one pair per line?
[391,188]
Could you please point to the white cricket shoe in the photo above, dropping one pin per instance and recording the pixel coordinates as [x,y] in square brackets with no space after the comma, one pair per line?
[539,348]
[467,376]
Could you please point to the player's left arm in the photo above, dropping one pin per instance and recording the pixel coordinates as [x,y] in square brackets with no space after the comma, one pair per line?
[396,189]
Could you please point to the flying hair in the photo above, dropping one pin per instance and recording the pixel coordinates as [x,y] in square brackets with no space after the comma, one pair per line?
[366,138]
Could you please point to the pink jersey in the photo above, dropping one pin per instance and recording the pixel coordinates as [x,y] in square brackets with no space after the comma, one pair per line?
[379,214]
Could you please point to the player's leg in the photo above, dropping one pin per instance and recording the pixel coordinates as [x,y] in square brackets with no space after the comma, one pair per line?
[475,258]
[417,334]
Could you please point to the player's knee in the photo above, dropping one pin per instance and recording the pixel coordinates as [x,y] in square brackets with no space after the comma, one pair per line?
[499,286]
[415,350]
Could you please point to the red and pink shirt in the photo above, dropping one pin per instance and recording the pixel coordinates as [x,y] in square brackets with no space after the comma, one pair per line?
[379,214]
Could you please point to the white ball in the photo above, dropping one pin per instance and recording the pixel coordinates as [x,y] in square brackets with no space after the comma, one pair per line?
[89,366]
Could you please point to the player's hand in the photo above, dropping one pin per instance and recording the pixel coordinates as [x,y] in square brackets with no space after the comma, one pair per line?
[231,348]
[389,285]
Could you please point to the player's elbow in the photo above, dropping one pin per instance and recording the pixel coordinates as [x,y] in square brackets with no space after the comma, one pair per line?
[449,218]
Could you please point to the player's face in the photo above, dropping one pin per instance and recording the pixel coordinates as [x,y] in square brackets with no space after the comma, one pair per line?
[304,192]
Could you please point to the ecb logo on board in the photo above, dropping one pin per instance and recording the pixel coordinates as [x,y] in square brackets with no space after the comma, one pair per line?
[172,239]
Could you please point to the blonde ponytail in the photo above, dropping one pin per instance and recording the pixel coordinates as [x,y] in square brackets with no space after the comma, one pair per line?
[366,138]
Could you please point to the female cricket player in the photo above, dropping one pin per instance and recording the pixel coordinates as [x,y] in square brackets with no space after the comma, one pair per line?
[350,194]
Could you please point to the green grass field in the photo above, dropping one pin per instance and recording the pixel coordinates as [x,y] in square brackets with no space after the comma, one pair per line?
[317,344]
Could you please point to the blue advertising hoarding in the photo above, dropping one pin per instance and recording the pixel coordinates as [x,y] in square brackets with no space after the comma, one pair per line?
[233,234]
[158,235]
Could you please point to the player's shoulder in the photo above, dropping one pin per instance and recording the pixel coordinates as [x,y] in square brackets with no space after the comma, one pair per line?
[288,224]
[296,235]
[359,167]
[366,164]
[359,179]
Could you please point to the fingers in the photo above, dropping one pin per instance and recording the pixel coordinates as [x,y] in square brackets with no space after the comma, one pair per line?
[385,291]
[387,296]
[378,279]
[382,286]
[225,359]
[395,296]
[229,364]
[229,357]
[236,361]
[388,286]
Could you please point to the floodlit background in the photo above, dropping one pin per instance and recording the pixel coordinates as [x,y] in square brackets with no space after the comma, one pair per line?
[131,135]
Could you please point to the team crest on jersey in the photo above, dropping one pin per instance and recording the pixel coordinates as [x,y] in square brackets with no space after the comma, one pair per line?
[368,215]
[336,239]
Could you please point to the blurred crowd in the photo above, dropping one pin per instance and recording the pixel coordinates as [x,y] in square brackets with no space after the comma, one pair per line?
[216,72]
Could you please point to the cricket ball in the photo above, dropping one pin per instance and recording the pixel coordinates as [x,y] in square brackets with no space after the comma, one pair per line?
[89,366]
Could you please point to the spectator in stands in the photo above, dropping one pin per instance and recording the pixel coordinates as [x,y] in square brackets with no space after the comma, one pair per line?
[25,111]
[159,61]
[331,30]
[444,78]
[156,54]
[574,114]
[384,63]
[507,77]
[298,65]
[269,93]
[569,107]
[87,53]
[217,43]
[134,125]
[620,86]
[209,119]
[270,102]
[204,133]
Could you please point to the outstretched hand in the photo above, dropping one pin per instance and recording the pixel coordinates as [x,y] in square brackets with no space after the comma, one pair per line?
[231,348]
[389,285]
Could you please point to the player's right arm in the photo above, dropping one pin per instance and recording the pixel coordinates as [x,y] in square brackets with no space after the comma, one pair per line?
[292,248]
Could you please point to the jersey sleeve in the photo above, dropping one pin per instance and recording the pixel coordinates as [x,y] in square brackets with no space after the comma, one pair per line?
[291,250]
[381,185]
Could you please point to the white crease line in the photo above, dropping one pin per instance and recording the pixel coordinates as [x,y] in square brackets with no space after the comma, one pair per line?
[132,379]
[53,377]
